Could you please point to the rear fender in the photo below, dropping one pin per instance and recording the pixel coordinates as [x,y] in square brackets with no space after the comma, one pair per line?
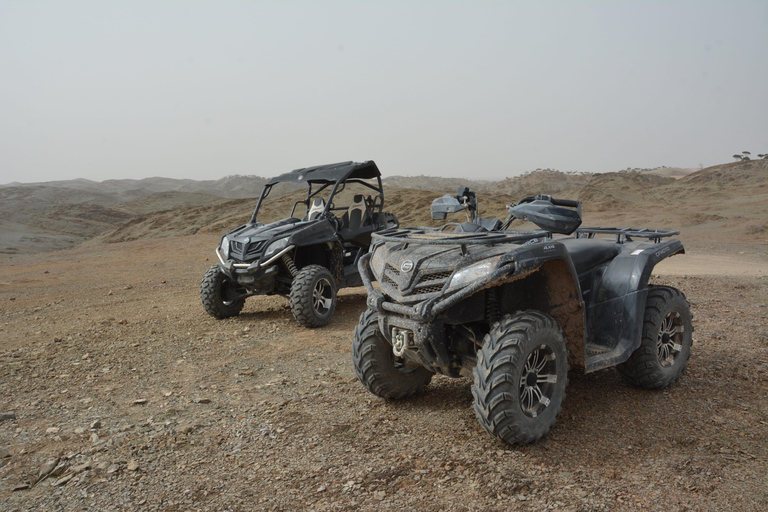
[615,316]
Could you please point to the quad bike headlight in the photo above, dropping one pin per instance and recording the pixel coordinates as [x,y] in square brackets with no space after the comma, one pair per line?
[224,246]
[474,272]
[276,246]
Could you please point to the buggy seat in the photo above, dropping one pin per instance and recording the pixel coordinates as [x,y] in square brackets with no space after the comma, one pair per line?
[318,205]
[356,225]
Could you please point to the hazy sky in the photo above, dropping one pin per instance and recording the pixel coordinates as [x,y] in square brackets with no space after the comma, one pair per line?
[480,89]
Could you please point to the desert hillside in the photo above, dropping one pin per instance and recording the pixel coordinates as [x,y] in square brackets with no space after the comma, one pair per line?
[722,202]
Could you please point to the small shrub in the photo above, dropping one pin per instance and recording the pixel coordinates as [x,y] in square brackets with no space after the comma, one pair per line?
[754,228]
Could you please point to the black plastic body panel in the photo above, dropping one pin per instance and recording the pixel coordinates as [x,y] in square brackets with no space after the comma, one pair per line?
[611,277]
[617,301]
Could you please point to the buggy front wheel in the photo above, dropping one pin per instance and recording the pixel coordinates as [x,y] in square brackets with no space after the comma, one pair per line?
[219,294]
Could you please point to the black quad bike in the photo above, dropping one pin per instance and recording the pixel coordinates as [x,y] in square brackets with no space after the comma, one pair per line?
[308,256]
[516,309]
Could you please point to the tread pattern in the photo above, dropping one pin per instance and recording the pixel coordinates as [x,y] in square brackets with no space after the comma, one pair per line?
[373,362]
[301,296]
[496,376]
[210,295]
[643,368]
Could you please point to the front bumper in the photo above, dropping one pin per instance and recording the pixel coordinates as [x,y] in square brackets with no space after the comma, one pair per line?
[253,266]
[421,327]
[256,277]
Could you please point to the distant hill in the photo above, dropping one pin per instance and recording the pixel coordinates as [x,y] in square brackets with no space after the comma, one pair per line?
[728,200]
[54,215]
[669,172]
[555,183]
[230,187]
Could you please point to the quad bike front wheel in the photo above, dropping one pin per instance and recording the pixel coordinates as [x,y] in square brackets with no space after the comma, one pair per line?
[219,295]
[377,367]
[666,343]
[520,377]
[313,296]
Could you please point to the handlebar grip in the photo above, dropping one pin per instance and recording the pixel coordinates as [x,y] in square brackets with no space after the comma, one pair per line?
[565,202]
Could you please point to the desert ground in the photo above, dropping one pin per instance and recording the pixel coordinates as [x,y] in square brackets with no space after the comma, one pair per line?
[119,393]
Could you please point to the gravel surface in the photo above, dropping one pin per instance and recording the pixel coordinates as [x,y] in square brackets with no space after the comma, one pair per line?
[119,393]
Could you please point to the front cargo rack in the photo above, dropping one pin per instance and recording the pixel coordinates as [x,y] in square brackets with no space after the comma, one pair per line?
[434,236]
[626,234]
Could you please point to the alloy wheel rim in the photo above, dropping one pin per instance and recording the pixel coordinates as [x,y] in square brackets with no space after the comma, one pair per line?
[322,296]
[537,381]
[668,340]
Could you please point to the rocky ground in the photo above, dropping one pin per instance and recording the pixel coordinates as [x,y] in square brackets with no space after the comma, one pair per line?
[117,392]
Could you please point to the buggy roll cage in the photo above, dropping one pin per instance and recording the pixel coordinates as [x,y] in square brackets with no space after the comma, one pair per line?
[324,176]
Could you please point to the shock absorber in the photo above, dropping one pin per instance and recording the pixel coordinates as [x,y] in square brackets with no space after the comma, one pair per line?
[290,265]
[492,309]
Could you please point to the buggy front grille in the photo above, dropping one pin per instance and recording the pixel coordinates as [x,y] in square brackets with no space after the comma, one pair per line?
[243,251]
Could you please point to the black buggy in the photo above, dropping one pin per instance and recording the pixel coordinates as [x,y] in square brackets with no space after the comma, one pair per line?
[516,309]
[308,256]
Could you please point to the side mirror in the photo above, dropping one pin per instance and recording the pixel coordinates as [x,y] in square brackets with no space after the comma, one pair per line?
[442,206]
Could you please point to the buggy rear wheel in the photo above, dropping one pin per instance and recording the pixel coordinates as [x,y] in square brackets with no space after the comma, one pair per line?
[666,343]
[520,377]
[376,366]
[313,296]
[219,295]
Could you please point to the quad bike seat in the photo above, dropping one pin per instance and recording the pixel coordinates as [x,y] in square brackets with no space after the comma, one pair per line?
[589,253]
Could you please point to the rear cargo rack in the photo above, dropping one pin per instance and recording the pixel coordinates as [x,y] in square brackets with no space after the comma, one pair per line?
[626,234]
[434,236]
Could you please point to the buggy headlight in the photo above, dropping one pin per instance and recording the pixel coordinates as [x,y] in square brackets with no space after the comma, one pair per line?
[474,272]
[224,246]
[275,247]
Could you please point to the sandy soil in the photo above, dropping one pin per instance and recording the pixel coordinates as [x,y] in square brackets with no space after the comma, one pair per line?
[698,264]
[119,393]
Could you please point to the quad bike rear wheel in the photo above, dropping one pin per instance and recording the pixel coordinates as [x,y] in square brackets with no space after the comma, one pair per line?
[520,377]
[666,343]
